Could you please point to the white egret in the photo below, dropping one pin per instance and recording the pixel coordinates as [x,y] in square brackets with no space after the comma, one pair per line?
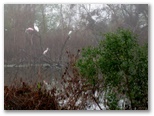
[69,32]
[44,53]
[36,28]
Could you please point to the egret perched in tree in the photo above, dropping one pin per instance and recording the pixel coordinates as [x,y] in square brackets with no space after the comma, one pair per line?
[36,28]
[69,33]
[44,53]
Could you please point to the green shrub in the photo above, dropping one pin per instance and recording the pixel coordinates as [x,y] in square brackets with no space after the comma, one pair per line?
[123,64]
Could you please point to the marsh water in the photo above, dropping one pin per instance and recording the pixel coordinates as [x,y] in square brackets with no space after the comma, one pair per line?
[30,73]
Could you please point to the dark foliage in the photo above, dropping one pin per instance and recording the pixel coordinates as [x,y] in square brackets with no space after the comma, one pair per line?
[123,64]
[26,97]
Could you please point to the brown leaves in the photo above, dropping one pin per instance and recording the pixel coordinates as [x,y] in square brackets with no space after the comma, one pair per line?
[74,95]
[27,98]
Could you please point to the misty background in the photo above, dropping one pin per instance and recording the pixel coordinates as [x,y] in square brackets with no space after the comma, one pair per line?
[87,22]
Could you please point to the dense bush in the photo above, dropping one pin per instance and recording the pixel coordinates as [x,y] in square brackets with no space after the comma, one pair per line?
[26,97]
[120,65]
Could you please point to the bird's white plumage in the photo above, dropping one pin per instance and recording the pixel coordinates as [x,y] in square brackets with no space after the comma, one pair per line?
[44,53]
[69,32]
[36,28]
